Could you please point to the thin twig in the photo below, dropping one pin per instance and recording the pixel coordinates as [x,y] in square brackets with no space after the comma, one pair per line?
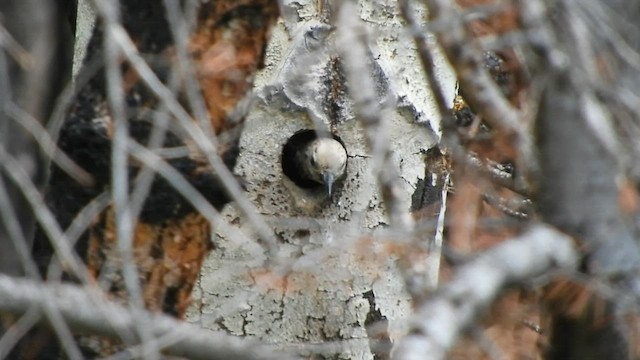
[18,238]
[496,175]
[80,223]
[50,226]
[49,147]
[439,321]
[519,210]
[17,330]
[13,48]
[124,221]
[182,186]
[180,33]
[82,314]
[351,44]
[483,93]
[206,144]
[428,63]
[145,177]
[450,138]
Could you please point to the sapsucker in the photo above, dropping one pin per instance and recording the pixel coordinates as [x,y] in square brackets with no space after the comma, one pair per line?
[324,160]
[312,161]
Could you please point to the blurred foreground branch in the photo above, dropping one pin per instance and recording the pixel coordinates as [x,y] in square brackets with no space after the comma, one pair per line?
[83,314]
[32,49]
[440,320]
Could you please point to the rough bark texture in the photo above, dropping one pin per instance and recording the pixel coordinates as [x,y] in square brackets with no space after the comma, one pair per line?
[335,268]
[90,312]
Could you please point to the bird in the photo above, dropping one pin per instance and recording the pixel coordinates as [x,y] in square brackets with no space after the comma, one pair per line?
[324,160]
[311,161]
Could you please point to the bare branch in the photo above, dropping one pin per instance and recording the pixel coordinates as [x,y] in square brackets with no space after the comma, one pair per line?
[495,174]
[124,219]
[351,44]
[82,313]
[428,63]
[440,320]
[43,215]
[181,184]
[48,145]
[482,92]
[13,334]
[425,52]
[199,136]
[30,76]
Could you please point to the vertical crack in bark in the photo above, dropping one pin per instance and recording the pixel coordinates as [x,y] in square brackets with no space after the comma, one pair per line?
[377,329]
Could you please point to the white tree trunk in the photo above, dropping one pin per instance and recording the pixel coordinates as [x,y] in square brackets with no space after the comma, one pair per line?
[336,267]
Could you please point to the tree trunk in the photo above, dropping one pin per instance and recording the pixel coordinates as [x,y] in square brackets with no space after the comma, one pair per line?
[334,286]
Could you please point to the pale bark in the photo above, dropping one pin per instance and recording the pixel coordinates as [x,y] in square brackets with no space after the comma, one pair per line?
[332,271]
[86,312]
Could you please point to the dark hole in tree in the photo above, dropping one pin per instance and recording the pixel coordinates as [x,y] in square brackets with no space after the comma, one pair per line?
[296,143]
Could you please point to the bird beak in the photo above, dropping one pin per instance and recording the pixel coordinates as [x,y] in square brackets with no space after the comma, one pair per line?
[328,181]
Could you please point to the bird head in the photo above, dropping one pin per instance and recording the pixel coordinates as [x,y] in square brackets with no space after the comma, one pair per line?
[327,161]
